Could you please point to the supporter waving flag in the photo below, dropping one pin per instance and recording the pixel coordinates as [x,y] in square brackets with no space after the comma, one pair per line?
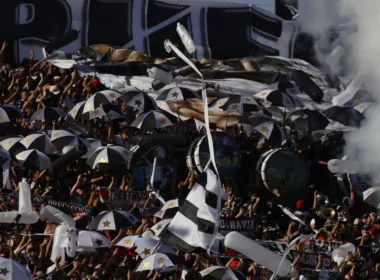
[193,226]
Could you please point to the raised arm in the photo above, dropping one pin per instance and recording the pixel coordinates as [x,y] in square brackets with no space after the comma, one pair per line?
[2,51]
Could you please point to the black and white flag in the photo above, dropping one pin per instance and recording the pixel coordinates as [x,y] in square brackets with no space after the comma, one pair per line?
[169,209]
[193,226]
[67,60]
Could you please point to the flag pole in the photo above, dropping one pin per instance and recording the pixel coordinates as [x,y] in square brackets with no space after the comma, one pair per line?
[156,193]
[170,47]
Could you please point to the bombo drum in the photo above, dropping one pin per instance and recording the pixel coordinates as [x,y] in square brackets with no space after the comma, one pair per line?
[283,169]
[227,154]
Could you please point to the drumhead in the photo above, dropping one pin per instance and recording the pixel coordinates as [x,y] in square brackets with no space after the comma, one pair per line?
[285,170]
[227,154]
[262,158]
[190,163]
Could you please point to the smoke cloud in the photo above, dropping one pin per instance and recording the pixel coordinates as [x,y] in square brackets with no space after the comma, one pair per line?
[365,47]
[317,18]
[361,65]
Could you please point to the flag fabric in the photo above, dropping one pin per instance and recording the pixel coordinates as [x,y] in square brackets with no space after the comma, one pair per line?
[169,209]
[192,228]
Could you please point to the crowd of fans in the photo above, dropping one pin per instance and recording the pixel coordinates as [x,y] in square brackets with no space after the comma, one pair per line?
[38,84]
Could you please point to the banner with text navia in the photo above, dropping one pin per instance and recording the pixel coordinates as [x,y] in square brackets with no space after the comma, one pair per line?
[244,226]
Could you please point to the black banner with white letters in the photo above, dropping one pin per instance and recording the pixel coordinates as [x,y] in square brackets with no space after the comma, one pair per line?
[219,30]
[67,207]
[244,226]
[39,200]
[120,197]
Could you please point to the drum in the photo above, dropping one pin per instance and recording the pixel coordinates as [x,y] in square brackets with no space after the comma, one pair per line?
[190,161]
[283,169]
[227,154]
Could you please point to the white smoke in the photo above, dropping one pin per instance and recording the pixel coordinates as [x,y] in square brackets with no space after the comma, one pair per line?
[365,51]
[362,55]
[317,18]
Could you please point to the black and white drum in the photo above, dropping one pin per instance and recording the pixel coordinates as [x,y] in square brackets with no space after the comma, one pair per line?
[190,160]
[283,169]
[227,154]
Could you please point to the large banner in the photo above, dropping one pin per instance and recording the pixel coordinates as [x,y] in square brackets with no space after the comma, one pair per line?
[219,30]
[38,201]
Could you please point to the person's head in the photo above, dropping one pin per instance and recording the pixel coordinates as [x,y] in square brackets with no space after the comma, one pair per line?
[80,192]
[124,134]
[300,204]
[375,276]
[95,83]
[364,218]
[75,277]
[31,253]
[155,220]
[229,189]
[130,231]
[48,177]
[71,90]
[187,256]
[293,135]
[312,224]
[193,275]
[24,95]
[243,135]
[28,228]
[213,127]
[357,224]
[189,260]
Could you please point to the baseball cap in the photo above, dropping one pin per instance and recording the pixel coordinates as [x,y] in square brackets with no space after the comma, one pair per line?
[366,227]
